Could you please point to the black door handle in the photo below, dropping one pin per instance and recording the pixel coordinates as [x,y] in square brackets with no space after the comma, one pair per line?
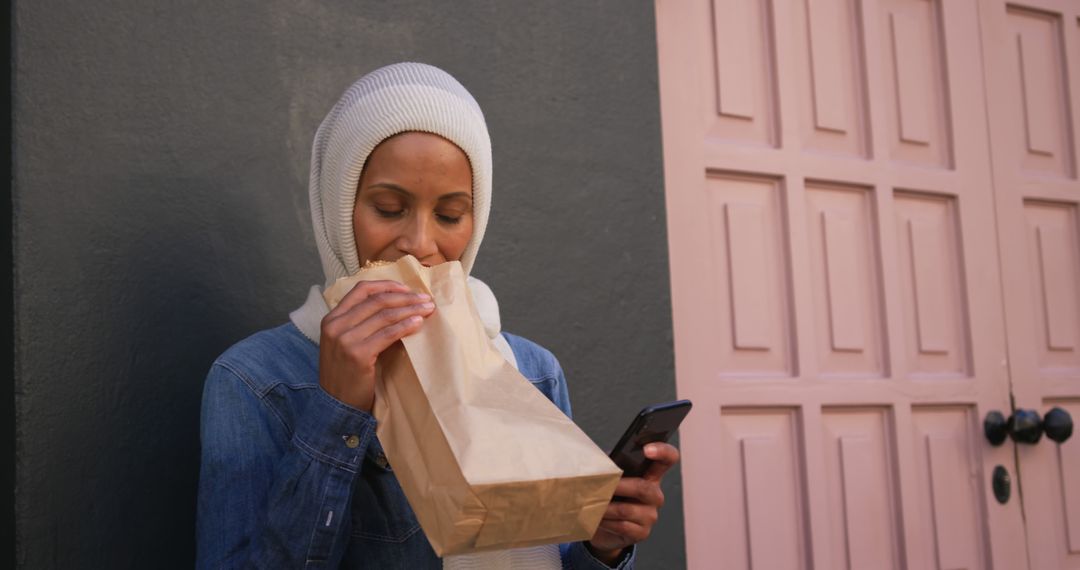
[995,428]
[1058,424]
[1026,426]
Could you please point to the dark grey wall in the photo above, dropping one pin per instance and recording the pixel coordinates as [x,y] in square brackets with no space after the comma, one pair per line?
[7,308]
[160,211]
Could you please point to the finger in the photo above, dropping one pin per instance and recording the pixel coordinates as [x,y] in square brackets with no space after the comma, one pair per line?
[381,340]
[624,532]
[384,318]
[645,515]
[365,289]
[376,303]
[664,456]
[640,490]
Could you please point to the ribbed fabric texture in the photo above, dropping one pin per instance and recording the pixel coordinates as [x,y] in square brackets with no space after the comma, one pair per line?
[390,100]
[544,557]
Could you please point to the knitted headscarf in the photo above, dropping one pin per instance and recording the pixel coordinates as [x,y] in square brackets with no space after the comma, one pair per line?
[388,101]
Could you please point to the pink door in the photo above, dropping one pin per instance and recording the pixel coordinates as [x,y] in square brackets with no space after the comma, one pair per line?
[837,302]
[1032,55]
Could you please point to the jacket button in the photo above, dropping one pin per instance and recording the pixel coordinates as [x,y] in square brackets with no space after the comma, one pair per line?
[381,461]
[352,441]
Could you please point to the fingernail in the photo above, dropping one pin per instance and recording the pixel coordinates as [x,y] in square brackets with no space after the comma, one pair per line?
[650,449]
[427,306]
[423,296]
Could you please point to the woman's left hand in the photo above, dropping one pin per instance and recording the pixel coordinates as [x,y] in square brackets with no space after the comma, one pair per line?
[631,519]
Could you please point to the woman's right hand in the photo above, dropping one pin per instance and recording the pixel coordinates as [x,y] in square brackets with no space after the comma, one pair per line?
[370,318]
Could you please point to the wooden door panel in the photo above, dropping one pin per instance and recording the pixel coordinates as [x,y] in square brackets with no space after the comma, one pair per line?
[1049,475]
[847,298]
[836,307]
[1051,483]
[752,325]
[1041,87]
[1066,471]
[760,519]
[833,118]
[863,510]
[950,510]
[1053,255]
[742,79]
[915,90]
[932,284]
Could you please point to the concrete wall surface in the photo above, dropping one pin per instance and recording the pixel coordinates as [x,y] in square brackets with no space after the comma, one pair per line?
[160,163]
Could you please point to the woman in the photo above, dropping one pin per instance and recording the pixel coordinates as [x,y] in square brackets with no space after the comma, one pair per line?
[292,473]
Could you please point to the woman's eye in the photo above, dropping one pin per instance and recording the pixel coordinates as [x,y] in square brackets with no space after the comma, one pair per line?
[449,219]
[388,213]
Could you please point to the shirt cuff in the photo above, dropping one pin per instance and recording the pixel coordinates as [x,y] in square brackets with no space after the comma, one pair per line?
[333,432]
[580,558]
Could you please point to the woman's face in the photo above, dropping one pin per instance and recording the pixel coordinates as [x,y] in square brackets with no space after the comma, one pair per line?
[415,198]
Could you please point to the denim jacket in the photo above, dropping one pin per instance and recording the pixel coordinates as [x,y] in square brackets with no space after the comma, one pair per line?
[293,478]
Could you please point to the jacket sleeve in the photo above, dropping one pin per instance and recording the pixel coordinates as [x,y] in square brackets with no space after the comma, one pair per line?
[574,554]
[271,496]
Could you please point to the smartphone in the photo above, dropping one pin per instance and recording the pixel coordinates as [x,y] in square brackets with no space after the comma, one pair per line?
[652,424]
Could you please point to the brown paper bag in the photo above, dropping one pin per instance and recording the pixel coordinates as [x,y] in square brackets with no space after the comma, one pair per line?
[485,460]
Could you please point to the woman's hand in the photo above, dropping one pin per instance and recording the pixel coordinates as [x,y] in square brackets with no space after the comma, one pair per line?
[631,519]
[370,318]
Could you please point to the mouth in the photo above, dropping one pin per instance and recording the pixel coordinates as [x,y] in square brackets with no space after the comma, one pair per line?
[375,263]
[380,262]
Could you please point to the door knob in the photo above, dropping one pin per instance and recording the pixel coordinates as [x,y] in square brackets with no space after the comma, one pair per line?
[1058,424]
[995,427]
[1025,426]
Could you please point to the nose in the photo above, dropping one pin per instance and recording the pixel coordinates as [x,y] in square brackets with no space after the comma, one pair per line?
[418,239]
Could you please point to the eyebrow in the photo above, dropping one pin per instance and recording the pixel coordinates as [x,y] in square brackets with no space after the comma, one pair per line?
[398,189]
